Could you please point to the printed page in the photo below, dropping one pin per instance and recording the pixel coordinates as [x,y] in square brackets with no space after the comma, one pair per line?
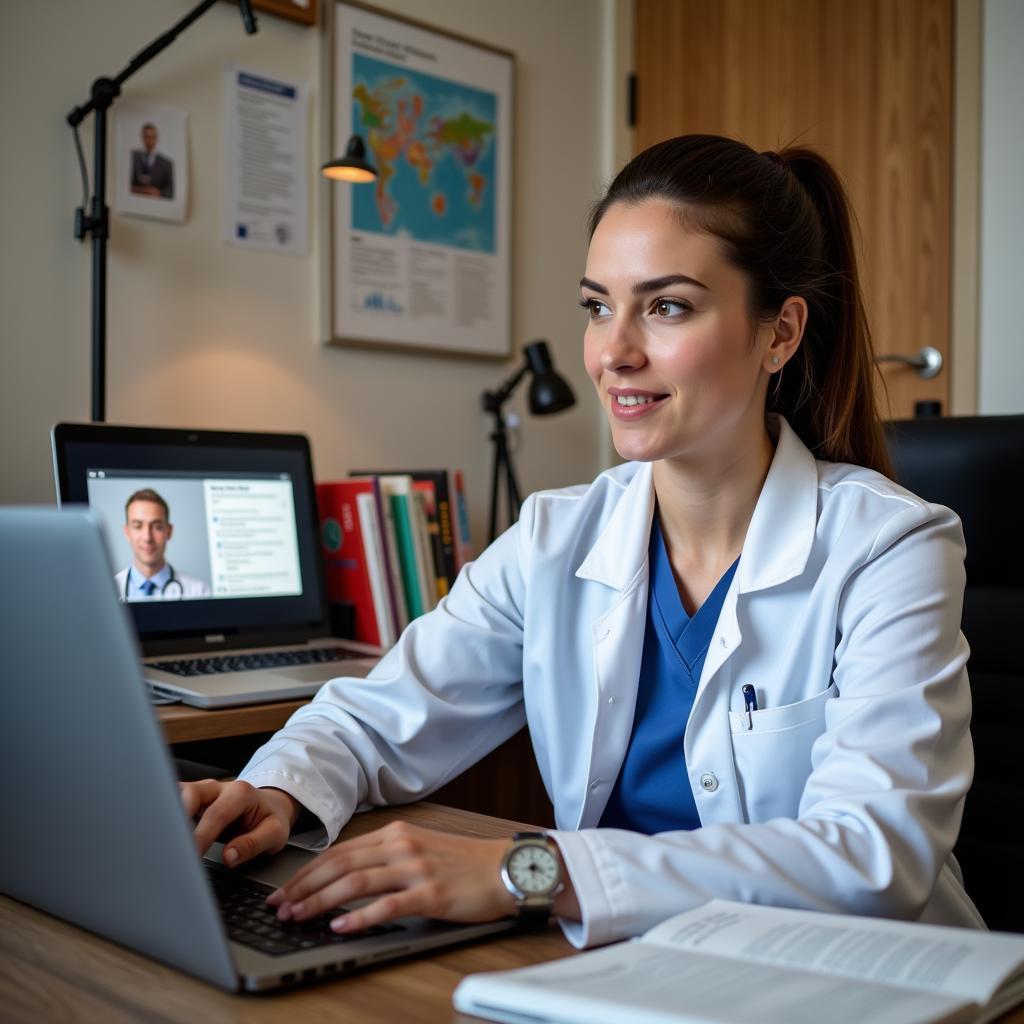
[266,184]
[956,961]
[643,983]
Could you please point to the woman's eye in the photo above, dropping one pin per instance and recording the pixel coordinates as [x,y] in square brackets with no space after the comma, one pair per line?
[670,307]
[594,308]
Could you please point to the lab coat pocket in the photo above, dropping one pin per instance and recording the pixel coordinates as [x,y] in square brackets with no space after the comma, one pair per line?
[773,754]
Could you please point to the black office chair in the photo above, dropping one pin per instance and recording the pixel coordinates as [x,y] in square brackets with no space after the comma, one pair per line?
[975,466]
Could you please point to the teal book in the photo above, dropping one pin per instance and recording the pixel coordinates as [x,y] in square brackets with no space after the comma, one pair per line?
[407,553]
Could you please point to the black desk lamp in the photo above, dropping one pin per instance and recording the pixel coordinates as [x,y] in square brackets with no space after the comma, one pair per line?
[97,221]
[549,392]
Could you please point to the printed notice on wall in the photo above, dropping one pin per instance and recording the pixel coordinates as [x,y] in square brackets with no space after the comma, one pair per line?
[266,181]
[421,254]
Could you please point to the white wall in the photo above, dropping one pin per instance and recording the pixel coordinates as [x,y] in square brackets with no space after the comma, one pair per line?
[202,334]
[1001,346]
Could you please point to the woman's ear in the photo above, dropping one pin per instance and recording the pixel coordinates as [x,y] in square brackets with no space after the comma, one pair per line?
[788,330]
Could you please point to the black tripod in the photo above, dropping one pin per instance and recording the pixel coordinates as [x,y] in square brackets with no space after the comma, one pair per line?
[97,221]
[503,467]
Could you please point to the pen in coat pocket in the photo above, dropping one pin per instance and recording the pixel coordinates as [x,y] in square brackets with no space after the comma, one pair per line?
[750,702]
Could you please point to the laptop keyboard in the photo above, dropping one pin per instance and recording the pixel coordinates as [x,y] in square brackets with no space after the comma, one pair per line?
[250,921]
[248,662]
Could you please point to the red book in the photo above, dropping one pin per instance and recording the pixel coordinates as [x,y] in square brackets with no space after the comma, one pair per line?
[345,565]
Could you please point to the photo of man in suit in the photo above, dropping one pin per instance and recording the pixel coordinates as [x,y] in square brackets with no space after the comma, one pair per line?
[152,173]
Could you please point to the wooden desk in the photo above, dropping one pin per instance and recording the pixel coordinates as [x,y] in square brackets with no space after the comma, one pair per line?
[50,970]
[184,724]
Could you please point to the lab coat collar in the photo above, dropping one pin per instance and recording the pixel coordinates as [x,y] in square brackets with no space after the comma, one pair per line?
[779,537]
[620,553]
[781,531]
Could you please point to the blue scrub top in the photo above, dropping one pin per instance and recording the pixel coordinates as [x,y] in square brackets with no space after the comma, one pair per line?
[652,793]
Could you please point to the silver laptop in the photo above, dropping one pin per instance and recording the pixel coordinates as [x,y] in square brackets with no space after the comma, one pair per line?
[214,542]
[98,833]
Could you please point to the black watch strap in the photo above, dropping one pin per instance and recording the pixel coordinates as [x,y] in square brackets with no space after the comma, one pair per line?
[534,919]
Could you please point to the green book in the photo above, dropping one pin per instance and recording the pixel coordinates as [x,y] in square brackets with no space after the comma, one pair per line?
[407,553]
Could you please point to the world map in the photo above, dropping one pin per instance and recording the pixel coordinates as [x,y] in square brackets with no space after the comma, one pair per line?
[433,144]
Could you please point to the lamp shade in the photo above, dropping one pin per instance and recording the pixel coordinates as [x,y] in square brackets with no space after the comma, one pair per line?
[353,166]
[549,391]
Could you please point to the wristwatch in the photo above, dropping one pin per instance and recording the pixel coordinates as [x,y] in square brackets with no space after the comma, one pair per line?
[530,871]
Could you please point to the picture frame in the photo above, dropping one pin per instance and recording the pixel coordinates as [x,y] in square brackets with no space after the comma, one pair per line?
[151,164]
[420,260]
[304,11]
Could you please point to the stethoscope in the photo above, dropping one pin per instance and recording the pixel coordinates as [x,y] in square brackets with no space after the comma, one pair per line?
[173,581]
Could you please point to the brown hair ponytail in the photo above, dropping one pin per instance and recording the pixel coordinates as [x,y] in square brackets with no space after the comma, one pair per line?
[785,221]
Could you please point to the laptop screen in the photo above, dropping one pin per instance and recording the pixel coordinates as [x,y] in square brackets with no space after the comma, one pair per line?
[210,532]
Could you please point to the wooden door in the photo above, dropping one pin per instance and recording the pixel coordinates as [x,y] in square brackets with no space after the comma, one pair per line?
[868,83]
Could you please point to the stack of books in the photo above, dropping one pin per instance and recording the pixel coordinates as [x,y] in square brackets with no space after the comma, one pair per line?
[392,545]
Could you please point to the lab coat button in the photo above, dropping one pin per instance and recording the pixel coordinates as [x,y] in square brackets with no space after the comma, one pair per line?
[613,700]
[594,784]
[723,641]
[708,782]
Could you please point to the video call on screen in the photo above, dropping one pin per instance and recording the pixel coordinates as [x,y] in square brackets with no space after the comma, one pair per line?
[224,535]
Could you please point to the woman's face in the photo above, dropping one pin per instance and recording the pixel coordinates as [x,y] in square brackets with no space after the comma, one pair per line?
[668,341]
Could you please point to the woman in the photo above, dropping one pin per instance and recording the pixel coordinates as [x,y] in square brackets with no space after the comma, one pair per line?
[738,654]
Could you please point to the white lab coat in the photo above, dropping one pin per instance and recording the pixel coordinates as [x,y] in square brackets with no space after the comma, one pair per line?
[844,613]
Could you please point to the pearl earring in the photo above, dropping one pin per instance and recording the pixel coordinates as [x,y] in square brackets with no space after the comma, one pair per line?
[775,360]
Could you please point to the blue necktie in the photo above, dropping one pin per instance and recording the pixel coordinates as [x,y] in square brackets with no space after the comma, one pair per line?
[148,588]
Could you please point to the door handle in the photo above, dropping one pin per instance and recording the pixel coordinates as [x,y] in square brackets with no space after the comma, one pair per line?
[927,362]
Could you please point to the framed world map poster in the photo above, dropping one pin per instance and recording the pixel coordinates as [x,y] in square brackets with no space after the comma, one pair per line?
[420,258]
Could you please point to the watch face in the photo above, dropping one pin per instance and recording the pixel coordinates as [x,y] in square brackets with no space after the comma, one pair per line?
[533,869]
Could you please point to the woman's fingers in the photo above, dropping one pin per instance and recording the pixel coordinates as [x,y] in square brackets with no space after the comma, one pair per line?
[235,800]
[387,908]
[319,865]
[264,815]
[326,869]
[355,886]
[404,870]
[268,836]
[196,795]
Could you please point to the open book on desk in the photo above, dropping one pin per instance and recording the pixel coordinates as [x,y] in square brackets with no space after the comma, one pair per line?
[732,962]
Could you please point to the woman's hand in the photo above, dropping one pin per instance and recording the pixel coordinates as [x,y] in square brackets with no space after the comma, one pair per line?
[263,817]
[411,870]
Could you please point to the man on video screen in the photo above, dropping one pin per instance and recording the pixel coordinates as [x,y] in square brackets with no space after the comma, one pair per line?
[148,529]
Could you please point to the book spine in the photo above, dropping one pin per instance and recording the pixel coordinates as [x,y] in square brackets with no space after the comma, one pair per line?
[440,576]
[389,532]
[446,529]
[373,548]
[425,573]
[389,550]
[348,579]
[463,543]
[407,553]
[427,487]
